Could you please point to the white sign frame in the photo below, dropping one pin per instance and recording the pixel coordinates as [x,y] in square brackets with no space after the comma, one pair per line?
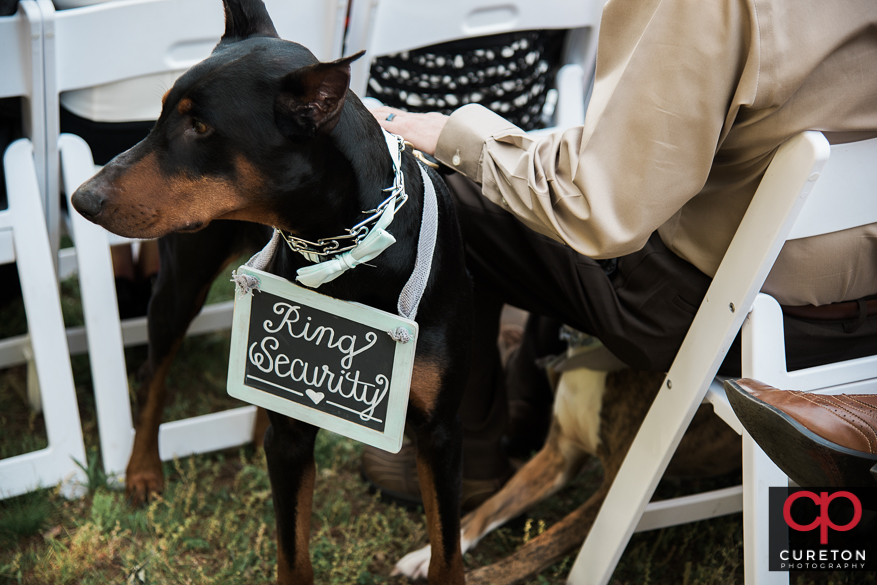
[400,381]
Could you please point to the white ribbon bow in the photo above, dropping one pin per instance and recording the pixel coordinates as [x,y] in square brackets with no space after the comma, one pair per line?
[370,247]
[377,240]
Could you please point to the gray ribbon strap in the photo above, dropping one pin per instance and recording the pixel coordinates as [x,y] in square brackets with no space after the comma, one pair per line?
[412,292]
[246,283]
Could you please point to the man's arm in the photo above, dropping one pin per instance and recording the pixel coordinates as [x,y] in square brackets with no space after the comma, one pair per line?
[667,73]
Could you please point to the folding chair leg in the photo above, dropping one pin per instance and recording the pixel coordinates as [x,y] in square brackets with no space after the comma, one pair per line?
[764,359]
[763,474]
[103,331]
[42,305]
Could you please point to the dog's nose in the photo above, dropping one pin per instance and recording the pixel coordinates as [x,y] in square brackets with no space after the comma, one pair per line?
[88,203]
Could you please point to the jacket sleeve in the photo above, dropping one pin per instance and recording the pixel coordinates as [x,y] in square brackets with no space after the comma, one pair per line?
[667,71]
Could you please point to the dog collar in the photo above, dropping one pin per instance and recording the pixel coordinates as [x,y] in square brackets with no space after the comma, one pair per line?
[351,245]
[412,292]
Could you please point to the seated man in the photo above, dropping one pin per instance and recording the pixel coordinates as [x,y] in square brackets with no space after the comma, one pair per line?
[617,227]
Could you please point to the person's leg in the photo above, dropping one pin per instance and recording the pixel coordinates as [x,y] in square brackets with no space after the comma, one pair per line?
[530,395]
[813,342]
[123,262]
[148,260]
[483,410]
[640,305]
[130,297]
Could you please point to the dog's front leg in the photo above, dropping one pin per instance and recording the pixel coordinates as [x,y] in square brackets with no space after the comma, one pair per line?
[439,469]
[189,264]
[289,449]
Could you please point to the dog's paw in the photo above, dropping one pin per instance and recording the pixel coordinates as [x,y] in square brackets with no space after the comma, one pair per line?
[140,487]
[414,565]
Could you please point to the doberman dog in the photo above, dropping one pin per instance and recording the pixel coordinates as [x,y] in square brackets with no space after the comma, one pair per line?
[263,132]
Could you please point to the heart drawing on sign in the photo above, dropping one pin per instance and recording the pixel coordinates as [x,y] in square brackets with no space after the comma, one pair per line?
[315,396]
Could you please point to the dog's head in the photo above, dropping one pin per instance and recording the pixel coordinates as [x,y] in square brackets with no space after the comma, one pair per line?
[237,131]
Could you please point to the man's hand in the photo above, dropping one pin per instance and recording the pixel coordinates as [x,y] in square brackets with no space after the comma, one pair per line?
[421,130]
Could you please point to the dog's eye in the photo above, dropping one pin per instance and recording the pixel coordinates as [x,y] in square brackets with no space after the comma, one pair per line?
[199,126]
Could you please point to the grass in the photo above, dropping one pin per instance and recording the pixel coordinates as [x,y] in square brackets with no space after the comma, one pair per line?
[214,523]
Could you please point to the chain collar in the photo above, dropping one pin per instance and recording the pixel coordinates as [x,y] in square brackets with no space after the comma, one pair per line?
[325,248]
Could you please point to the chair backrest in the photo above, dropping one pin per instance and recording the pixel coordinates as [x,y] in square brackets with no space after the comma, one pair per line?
[845,196]
[21,73]
[117,40]
[382,27]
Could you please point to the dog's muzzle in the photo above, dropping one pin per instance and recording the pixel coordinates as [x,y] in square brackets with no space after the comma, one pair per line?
[88,203]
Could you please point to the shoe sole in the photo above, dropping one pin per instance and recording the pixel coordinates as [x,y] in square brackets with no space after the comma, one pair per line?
[808,459]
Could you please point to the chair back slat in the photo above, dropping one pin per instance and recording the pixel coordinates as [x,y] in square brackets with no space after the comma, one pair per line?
[21,75]
[132,38]
[15,72]
[845,195]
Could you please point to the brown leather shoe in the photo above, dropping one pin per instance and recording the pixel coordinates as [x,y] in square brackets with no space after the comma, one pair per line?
[816,439]
[395,476]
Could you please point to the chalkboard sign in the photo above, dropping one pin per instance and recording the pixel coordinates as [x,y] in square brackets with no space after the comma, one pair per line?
[327,362]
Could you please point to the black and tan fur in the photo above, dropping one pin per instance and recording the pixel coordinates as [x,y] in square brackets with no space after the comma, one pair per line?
[263,132]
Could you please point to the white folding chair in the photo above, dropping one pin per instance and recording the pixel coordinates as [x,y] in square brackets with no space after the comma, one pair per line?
[383,27]
[841,198]
[24,240]
[113,41]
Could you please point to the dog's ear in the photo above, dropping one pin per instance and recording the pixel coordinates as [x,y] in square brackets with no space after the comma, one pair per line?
[245,19]
[311,98]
